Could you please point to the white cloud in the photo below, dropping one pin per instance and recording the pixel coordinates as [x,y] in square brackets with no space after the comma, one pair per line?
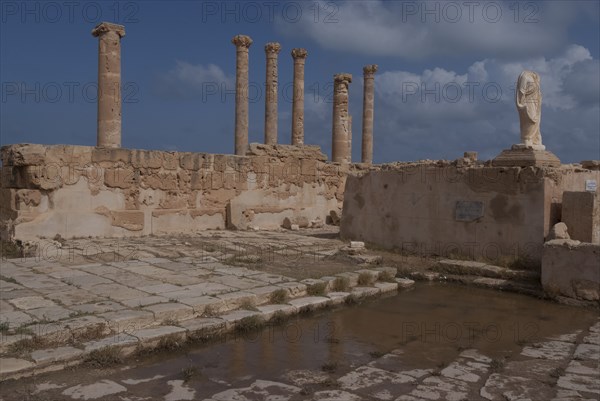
[419,29]
[187,80]
[418,115]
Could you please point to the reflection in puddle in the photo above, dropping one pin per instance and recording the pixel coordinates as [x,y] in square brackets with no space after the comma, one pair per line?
[418,331]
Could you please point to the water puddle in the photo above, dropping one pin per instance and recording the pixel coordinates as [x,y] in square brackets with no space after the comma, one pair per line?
[422,329]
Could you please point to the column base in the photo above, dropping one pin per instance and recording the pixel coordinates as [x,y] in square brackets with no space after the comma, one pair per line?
[521,155]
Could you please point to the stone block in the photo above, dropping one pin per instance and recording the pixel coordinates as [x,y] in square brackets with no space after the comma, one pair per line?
[146,159]
[234,300]
[152,336]
[12,365]
[309,303]
[202,303]
[204,326]
[112,155]
[120,177]
[526,157]
[127,320]
[581,214]
[191,161]
[570,268]
[170,160]
[116,340]
[131,220]
[27,198]
[23,154]
[60,354]
[170,311]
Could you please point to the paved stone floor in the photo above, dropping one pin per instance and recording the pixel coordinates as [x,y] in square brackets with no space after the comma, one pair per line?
[56,305]
[76,292]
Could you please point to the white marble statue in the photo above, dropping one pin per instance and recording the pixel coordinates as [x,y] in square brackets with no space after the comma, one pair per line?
[529,105]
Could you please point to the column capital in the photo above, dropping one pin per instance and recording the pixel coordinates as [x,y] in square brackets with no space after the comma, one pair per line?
[343,78]
[299,53]
[272,48]
[370,69]
[105,27]
[241,41]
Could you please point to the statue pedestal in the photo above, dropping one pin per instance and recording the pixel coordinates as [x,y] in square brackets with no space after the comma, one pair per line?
[521,155]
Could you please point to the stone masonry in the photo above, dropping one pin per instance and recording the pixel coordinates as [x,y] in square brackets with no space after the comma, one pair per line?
[81,191]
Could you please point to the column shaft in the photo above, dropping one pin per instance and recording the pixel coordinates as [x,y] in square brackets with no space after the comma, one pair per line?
[271,50]
[299,56]
[109,84]
[242,44]
[340,135]
[368,113]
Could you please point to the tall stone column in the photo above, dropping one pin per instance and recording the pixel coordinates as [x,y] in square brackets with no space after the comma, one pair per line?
[109,84]
[341,128]
[242,44]
[299,56]
[349,138]
[272,50]
[368,113]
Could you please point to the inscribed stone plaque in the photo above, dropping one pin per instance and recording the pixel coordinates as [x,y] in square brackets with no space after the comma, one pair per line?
[591,185]
[468,210]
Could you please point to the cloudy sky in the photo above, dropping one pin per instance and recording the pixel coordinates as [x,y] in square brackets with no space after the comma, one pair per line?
[445,84]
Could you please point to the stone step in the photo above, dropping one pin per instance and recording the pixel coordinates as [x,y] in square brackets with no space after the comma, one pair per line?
[58,357]
[472,268]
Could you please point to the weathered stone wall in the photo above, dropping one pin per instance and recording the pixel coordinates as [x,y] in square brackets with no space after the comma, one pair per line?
[79,191]
[581,214]
[497,214]
[571,268]
[568,178]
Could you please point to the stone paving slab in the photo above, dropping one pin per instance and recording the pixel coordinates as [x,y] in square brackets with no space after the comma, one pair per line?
[118,340]
[62,300]
[47,356]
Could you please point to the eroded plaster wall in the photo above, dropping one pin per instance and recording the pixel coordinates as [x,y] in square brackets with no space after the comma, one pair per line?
[78,191]
[496,214]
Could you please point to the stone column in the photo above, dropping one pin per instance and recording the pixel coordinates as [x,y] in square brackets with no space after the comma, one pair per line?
[349,138]
[109,84]
[242,44]
[368,113]
[299,56]
[340,146]
[272,50]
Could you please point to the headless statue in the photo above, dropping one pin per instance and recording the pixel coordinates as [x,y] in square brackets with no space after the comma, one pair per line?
[529,105]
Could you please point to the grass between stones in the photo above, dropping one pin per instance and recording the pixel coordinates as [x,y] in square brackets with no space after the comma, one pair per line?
[250,323]
[387,277]
[341,284]
[103,358]
[189,373]
[317,290]
[365,279]
[279,296]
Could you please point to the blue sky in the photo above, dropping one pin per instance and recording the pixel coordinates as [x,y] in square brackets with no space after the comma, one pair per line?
[444,86]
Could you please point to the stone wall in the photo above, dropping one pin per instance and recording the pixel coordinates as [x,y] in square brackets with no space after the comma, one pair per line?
[571,268]
[581,214]
[497,214]
[78,191]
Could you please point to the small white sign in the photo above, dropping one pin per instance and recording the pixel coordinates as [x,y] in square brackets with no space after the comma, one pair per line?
[591,185]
